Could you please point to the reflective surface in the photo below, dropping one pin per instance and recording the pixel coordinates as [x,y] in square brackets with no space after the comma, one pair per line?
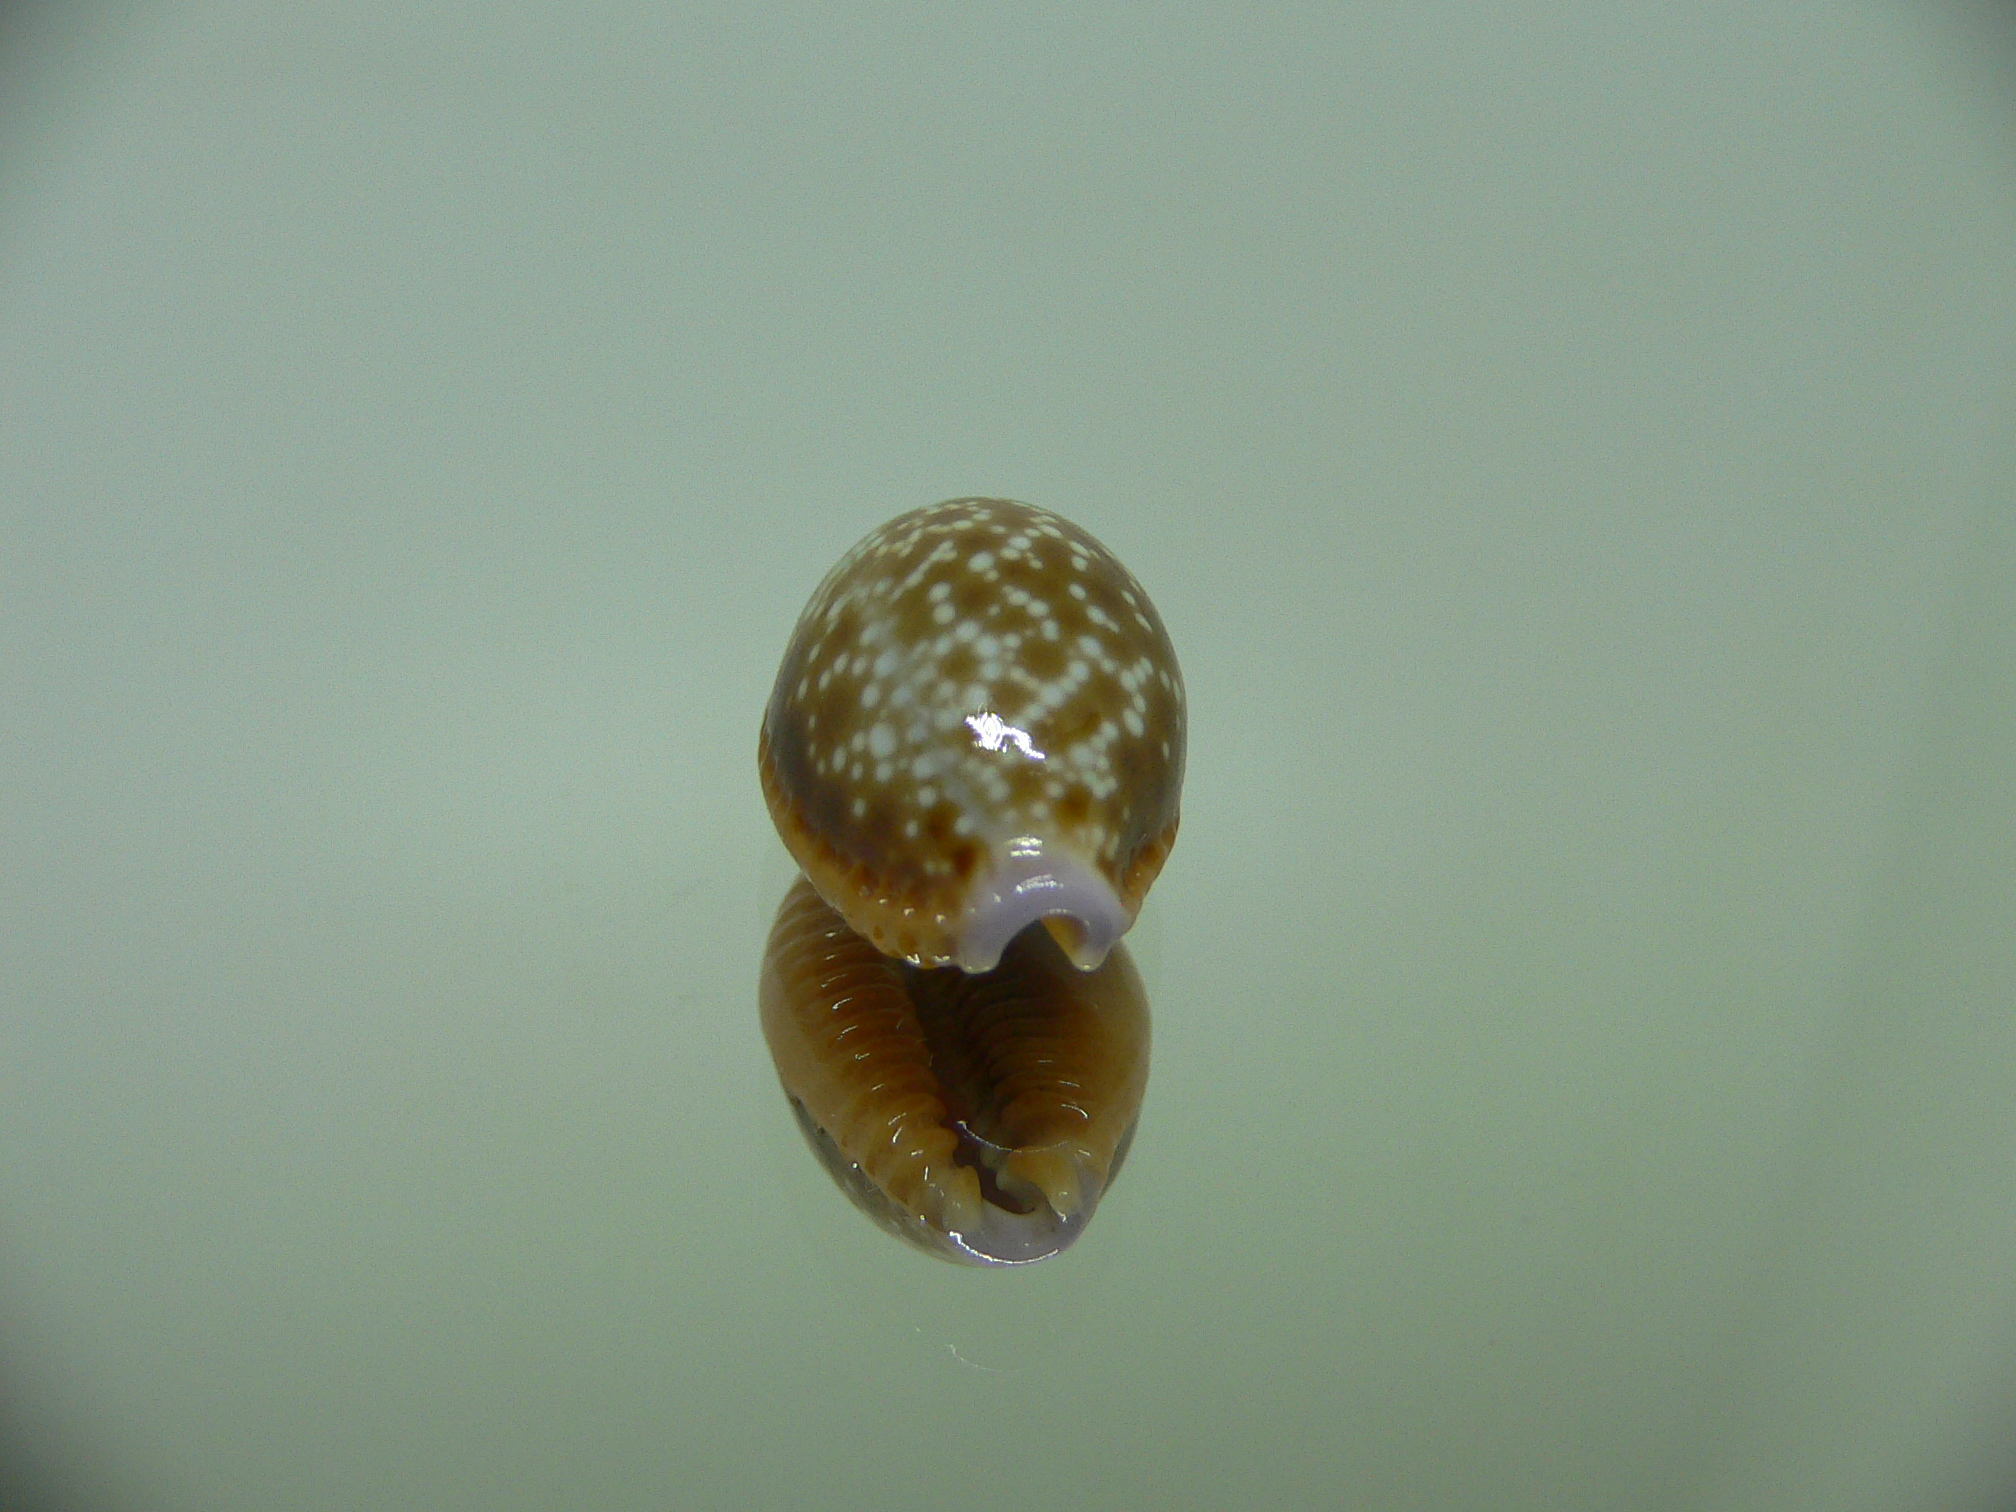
[980,1116]
[1571,447]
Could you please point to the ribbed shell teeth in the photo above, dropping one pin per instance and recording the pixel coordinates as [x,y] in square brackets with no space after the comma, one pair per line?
[980,1117]
[1052,1176]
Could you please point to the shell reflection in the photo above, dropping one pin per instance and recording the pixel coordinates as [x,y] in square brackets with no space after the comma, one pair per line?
[981,1117]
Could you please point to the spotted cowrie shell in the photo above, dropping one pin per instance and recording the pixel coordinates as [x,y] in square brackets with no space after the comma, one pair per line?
[978,724]
[977,728]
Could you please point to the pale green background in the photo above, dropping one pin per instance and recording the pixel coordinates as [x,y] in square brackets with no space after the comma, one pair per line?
[1571,448]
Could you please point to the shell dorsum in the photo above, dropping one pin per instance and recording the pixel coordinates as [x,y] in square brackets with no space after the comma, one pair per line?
[978,725]
[980,1117]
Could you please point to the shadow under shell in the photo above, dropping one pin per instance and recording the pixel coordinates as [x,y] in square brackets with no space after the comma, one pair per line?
[979,1116]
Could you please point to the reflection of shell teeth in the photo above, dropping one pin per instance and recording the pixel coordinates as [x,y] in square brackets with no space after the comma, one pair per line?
[887,1114]
[1053,1173]
[959,1203]
[980,1117]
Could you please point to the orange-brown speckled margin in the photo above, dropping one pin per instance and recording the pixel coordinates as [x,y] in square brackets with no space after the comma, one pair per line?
[917,923]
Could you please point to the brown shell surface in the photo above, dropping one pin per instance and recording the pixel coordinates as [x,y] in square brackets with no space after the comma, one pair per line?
[981,1117]
[969,674]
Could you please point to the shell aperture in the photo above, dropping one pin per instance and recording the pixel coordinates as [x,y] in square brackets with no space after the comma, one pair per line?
[977,727]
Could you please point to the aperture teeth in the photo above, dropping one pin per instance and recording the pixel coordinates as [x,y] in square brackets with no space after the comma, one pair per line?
[977,1116]
[1050,1175]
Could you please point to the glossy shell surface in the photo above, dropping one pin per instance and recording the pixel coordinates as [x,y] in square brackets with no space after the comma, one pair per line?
[978,724]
